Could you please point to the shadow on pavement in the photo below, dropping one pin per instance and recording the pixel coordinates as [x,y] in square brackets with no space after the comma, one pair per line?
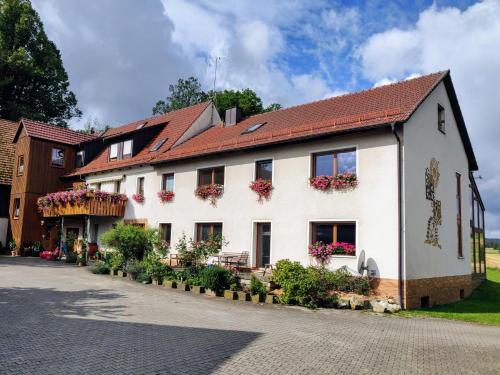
[46,331]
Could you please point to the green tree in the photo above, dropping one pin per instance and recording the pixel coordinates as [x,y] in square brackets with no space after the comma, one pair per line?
[33,82]
[94,126]
[130,241]
[185,93]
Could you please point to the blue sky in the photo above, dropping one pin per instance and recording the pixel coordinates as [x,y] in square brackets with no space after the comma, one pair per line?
[121,55]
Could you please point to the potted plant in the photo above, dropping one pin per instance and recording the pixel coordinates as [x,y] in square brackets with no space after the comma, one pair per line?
[13,248]
[170,282]
[243,295]
[263,188]
[345,181]
[211,192]
[231,292]
[196,286]
[166,196]
[37,249]
[257,289]
[133,268]
[215,279]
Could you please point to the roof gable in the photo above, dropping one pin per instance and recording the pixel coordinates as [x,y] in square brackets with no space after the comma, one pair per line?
[53,133]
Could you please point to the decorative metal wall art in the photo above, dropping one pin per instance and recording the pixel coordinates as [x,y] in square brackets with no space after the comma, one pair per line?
[434,222]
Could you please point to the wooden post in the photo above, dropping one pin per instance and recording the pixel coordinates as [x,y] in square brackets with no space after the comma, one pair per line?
[61,240]
[86,231]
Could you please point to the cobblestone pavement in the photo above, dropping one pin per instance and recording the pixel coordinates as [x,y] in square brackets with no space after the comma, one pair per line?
[60,319]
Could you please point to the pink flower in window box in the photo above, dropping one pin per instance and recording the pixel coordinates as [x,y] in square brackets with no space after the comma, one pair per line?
[345,181]
[263,188]
[139,198]
[321,182]
[166,196]
[211,192]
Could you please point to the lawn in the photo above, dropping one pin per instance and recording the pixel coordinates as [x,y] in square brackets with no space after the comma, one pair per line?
[483,306]
[493,258]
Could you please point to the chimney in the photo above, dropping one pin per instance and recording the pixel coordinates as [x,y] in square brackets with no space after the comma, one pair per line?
[233,116]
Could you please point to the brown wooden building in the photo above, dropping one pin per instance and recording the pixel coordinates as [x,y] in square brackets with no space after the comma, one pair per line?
[43,154]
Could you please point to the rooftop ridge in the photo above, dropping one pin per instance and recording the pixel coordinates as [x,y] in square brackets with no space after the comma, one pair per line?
[58,127]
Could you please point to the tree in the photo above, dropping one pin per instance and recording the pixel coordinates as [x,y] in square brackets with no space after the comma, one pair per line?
[185,93]
[33,82]
[94,126]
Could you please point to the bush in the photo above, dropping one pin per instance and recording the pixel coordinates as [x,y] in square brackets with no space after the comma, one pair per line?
[342,281]
[143,277]
[71,257]
[130,241]
[99,268]
[195,254]
[257,287]
[134,268]
[215,278]
[154,268]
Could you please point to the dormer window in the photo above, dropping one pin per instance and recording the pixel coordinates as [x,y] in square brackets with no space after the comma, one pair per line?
[80,159]
[441,119]
[120,150]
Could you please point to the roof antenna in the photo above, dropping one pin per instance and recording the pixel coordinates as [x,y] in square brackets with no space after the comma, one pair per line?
[214,97]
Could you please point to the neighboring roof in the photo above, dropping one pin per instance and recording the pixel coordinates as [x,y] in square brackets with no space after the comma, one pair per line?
[357,111]
[7,149]
[364,110]
[176,123]
[54,133]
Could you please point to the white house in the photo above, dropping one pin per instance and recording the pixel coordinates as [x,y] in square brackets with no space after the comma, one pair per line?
[415,216]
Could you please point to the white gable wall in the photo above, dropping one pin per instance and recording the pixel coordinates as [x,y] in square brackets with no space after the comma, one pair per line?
[422,142]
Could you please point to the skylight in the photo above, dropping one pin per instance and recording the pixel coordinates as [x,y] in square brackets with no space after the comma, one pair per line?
[252,128]
[140,126]
[158,144]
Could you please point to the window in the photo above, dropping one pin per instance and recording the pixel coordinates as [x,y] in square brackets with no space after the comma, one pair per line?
[118,186]
[80,159]
[57,157]
[167,182]
[251,129]
[333,163]
[98,186]
[20,165]
[158,144]
[166,232]
[140,186]
[205,230]
[459,215]
[441,119]
[17,208]
[264,170]
[211,176]
[121,150]
[332,232]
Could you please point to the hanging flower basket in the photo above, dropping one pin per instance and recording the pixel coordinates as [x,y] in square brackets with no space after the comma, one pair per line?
[166,196]
[263,188]
[211,192]
[345,181]
[139,198]
[321,182]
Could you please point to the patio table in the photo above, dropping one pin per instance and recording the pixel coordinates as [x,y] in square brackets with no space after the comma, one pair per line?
[225,258]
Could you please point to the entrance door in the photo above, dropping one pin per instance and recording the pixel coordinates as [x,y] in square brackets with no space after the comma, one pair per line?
[71,237]
[263,253]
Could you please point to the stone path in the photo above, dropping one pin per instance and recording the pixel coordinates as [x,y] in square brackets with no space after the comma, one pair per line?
[60,319]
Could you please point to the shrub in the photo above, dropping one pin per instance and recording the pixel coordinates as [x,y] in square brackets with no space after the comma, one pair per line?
[215,278]
[195,254]
[143,277]
[342,281]
[134,268]
[257,287]
[99,268]
[155,268]
[131,241]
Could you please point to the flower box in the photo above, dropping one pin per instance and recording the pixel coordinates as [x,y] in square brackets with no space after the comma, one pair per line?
[322,252]
[263,188]
[121,273]
[212,293]
[198,289]
[183,286]
[211,192]
[256,298]
[270,299]
[113,273]
[229,294]
[321,182]
[166,196]
[343,181]
[139,198]
[243,296]
[169,284]
[78,198]
[155,282]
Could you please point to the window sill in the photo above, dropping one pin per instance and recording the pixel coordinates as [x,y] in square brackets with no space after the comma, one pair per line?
[344,256]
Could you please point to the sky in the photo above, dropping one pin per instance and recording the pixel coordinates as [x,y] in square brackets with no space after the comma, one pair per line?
[121,55]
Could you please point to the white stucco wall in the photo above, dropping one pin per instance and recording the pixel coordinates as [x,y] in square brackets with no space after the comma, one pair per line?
[293,205]
[423,141]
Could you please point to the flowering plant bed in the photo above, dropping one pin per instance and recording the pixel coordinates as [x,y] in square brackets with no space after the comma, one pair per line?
[263,188]
[322,252]
[342,181]
[211,192]
[166,196]
[139,198]
[78,197]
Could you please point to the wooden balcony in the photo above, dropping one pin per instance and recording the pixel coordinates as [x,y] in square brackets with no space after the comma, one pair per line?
[91,207]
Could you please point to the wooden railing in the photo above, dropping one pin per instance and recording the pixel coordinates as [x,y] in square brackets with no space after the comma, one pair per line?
[91,207]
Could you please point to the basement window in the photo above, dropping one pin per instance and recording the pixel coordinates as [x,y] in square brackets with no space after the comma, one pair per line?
[252,128]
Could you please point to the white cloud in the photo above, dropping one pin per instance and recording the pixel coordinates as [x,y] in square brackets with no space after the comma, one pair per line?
[468,43]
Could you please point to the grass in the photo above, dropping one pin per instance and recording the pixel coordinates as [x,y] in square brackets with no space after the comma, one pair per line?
[483,306]
[493,258]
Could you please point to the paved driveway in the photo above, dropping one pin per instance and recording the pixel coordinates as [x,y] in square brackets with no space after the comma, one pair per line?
[58,319]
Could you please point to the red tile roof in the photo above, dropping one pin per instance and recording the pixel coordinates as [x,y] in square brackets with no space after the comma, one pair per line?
[386,104]
[357,111]
[55,133]
[7,149]
[177,123]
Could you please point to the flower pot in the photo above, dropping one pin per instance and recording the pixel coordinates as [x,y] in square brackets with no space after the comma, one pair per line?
[121,273]
[183,286]
[231,295]
[197,289]
[155,282]
[112,273]
[212,293]
[270,299]
[169,284]
[256,298]
[243,296]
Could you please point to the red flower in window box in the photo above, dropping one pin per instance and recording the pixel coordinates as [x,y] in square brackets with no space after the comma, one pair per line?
[345,181]
[139,198]
[262,187]
[166,196]
[321,182]
[322,252]
[211,192]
